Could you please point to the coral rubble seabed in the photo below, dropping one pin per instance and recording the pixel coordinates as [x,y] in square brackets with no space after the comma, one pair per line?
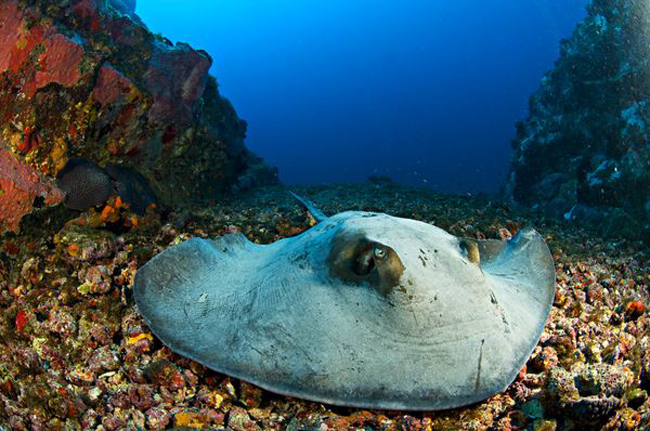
[75,353]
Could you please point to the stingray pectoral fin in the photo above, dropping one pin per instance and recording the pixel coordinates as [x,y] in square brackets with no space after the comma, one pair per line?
[172,291]
[490,249]
[523,275]
[527,259]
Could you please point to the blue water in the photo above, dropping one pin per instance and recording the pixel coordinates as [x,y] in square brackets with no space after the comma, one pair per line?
[426,92]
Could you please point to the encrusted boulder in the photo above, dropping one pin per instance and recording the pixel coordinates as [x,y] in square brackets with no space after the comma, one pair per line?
[589,394]
[584,153]
[86,79]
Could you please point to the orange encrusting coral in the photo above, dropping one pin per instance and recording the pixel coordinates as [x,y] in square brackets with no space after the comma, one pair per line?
[635,309]
[73,250]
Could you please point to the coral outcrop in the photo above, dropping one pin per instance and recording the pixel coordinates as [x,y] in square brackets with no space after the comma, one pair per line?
[584,153]
[85,78]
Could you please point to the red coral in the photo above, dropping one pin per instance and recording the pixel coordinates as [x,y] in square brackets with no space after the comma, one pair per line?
[17,40]
[58,64]
[21,320]
[20,184]
[176,74]
[111,85]
[87,10]
[30,140]
[9,32]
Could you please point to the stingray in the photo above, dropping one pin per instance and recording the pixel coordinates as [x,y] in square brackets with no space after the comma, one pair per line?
[363,309]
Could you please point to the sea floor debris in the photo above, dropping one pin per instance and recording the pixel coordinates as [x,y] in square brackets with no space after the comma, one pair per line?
[76,354]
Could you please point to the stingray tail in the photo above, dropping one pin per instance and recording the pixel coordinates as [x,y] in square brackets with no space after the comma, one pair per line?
[315,212]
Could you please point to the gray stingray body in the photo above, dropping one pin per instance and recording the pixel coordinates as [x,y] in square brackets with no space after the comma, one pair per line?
[317,316]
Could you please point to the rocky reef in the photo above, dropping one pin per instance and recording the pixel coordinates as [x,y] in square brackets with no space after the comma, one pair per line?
[583,153]
[86,79]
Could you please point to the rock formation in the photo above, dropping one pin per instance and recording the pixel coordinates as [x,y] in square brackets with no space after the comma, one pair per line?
[85,78]
[583,153]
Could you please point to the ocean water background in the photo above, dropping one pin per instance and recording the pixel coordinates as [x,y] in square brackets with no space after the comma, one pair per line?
[422,91]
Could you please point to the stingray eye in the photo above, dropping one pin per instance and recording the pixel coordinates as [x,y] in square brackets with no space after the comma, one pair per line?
[364,262]
[358,260]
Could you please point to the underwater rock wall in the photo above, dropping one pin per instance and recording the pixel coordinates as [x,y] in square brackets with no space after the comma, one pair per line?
[85,78]
[584,153]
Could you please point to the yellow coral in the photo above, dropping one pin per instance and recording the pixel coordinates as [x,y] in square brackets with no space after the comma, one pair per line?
[21,43]
[136,338]
[58,155]
[189,420]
